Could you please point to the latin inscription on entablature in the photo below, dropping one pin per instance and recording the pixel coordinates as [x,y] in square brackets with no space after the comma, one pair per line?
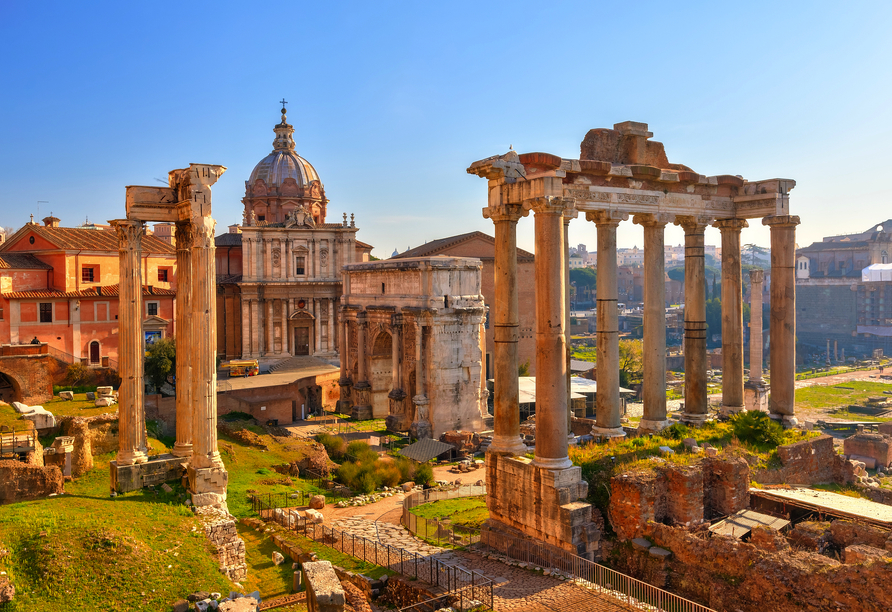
[628,200]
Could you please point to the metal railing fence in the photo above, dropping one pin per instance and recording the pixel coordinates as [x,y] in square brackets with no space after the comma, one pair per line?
[408,563]
[631,591]
[442,533]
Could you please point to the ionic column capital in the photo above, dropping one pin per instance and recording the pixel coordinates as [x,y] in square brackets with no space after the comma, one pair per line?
[781,221]
[653,219]
[129,233]
[693,224]
[732,225]
[501,213]
[550,205]
[606,217]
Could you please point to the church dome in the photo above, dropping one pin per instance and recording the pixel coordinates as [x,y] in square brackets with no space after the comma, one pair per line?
[284,163]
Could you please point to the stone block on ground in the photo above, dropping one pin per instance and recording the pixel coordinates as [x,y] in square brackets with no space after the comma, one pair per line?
[666,450]
[21,408]
[242,604]
[42,419]
[660,553]
[314,516]
[641,544]
[324,591]
[317,502]
[869,462]
[181,605]
[862,553]
[91,395]
[166,488]
[66,395]
[104,391]
[278,558]
[407,486]
[689,442]
[104,402]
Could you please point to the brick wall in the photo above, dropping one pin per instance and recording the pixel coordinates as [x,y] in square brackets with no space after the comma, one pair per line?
[877,446]
[809,462]
[30,376]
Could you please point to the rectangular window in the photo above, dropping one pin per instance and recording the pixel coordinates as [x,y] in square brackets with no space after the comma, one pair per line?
[299,266]
[1,313]
[152,308]
[87,275]
[46,313]
[162,275]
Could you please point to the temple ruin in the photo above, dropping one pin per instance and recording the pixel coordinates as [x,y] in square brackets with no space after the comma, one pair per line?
[187,203]
[621,173]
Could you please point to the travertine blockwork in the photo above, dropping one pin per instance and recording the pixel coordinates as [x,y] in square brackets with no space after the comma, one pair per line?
[541,502]
[413,343]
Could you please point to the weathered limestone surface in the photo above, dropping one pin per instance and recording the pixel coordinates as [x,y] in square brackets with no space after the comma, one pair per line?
[732,316]
[418,328]
[755,391]
[220,528]
[875,446]
[695,400]
[20,481]
[324,591]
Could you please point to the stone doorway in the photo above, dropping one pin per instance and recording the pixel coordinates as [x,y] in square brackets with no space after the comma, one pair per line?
[301,340]
[381,374]
[94,353]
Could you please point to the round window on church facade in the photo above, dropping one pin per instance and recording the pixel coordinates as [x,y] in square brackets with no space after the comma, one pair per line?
[301,304]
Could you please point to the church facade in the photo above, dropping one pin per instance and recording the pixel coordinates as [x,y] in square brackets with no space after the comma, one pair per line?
[279,273]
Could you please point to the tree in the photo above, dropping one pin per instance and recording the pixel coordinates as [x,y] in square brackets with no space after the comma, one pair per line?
[584,277]
[77,374]
[161,359]
[755,250]
[631,360]
[524,368]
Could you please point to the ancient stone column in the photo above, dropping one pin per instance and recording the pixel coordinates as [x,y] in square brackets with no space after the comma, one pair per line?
[362,408]
[696,408]
[756,278]
[398,419]
[607,408]
[569,215]
[420,427]
[270,333]
[654,357]
[345,402]
[206,474]
[184,339]
[317,324]
[551,350]
[782,332]
[331,326]
[246,326]
[732,315]
[131,393]
[506,323]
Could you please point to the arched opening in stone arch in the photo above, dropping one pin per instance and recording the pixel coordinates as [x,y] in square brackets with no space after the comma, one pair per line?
[381,374]
[10,391]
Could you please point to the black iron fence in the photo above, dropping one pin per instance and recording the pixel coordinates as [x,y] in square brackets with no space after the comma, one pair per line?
[281,509]
[441,533]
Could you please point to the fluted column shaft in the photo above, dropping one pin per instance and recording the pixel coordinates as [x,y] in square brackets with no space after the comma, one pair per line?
[695,399]
[654,351]
[269,327]
[395,339]
[184,339]
[607,418]
[756,278]
[131,395]
[204,355]
[506,324]
[781,401]
[732,315]
[551,350]
[568,216]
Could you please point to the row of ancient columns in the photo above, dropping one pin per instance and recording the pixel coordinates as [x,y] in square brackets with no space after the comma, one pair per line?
[259,320]
[552,323]
[355,386]
[196,340]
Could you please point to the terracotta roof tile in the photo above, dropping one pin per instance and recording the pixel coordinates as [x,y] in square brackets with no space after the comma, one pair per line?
[77,238]
[228,240]
[22,261]
[436,247]
[98,291]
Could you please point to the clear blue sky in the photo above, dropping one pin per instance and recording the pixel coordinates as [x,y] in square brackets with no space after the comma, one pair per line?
[392,101]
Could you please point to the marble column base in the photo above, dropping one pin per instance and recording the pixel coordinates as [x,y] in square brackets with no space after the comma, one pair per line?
[653,426]
[131,457]
[398,419]
[788,421]
[693,418]
[420,429]
[755,397]
[608,432]
[508,445]
[182,450]
[729,410]
[552,463]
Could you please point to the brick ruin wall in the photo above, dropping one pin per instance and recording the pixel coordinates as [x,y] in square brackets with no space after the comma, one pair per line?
[32,374]
[20,481]
[727,574]
[93,435]
[813,461]
[220,529]
[678,494]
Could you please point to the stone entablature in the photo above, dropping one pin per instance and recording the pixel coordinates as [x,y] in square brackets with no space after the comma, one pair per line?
[412,344]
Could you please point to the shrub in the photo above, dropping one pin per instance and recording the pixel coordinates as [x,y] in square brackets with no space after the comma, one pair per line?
[387,475]
[348,474]
[361,451]
[424,474]
[676,431]
[406,468]
[334,445]
[757,428]
[367,483]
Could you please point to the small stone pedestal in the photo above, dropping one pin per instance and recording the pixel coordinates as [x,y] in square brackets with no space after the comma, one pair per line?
[345,403]
[420,429]
[649,426]
[755,397]
[207,485]
[362,408]
[540,503]
[397,420]
[606,433]
[693,419]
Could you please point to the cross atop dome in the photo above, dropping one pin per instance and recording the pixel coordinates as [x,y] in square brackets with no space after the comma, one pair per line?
[284,102]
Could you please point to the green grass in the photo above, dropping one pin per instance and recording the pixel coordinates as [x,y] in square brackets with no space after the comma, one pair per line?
[585,353]
[836,396]
[463,511]
[79,406]
[137,551]
[846,490]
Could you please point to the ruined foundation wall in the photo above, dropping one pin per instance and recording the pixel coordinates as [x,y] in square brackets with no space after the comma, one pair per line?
[220,529]
[92,436]
[809,462]
[20,481]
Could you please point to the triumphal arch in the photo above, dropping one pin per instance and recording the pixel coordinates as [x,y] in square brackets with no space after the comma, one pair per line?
[187,203]
[621,174]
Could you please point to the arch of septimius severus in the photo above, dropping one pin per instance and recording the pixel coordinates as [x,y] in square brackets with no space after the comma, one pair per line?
[620,175]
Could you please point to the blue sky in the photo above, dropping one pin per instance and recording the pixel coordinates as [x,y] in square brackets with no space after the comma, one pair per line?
[392,101]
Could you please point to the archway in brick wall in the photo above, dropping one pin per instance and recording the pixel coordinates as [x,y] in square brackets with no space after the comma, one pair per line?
[10,388]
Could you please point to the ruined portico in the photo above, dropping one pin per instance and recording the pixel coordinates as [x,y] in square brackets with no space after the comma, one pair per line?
[187,203]
[621,174]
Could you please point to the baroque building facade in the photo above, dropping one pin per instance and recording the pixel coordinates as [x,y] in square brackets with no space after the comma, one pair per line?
[279,273]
